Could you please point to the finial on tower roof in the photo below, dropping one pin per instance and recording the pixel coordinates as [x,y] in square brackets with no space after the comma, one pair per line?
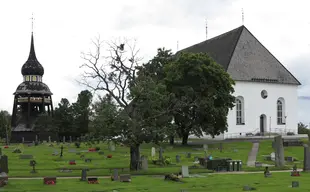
[242,16]
[32,19]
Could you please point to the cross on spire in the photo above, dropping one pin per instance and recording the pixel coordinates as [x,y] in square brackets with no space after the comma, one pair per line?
[32,19]
[242,16]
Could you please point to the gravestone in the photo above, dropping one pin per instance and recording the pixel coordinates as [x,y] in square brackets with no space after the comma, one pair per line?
[115,175]
[289,159]
[160,153]
[178,158]
[87,160]
[279,151]
[65,170]
[25,156]
[4,179]
[49,139]
[144,163]
[4,165]
[84,175]
[101,153]
[63,139]
[70,139]
[306,158]
[125,178]
[205,147]
[23,140]
[61,151]
[185,172]
[111,146]
[188,155]
[295,184]
[195,159]
[272,156]
[36,138]
[72,150]
[153,151]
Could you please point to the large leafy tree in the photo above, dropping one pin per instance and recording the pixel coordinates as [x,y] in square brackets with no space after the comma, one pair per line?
[63,117]
[81,111]
[202,94]
[140,115]
[5,125]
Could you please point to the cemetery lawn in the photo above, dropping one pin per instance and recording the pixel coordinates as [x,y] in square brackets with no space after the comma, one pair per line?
[265,148]
[216,182]
[49,165]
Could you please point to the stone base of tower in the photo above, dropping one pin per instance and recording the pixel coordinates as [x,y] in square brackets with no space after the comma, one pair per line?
[19,136]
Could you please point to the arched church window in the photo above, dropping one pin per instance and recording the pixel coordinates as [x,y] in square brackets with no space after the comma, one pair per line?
[27,78]
[280,111]
[34,78]
[239,111]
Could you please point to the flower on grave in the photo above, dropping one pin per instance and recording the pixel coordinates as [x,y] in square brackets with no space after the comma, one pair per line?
[50,182]
[109,156]
[6,147]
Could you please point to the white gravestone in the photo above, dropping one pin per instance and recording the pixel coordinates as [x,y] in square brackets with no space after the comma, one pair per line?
[153,151]
[185,171]
[273,156]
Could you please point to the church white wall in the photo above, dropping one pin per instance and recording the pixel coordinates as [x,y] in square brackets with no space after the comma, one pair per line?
[255,105]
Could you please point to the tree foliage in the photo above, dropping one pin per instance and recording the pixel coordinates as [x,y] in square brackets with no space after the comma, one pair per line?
[5,124]
[134,99]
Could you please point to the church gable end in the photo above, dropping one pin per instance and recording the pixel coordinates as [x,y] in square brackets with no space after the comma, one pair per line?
[251,61]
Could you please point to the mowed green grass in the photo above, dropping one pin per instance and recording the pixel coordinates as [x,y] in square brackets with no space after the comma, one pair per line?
[216,182]
[49,165]
[265,148]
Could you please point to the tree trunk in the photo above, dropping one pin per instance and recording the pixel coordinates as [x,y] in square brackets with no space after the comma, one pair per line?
[171,140]
[134,157]
[185,138]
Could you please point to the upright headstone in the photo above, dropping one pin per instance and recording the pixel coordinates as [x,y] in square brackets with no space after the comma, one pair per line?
[115,175]
[36,138]
[221,147]
[4,166]
[84,175]
[70,139]
[306,158]
[153,152]
[23,139]
[279,151]
[185,172]
[111,146]
[63,139]
[49,139]
[205,147]
[160,153]
[178,158]
[144,163]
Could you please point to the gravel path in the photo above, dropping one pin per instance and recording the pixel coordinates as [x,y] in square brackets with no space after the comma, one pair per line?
[106,177]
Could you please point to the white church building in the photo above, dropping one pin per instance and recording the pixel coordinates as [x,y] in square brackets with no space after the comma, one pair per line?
[265,91]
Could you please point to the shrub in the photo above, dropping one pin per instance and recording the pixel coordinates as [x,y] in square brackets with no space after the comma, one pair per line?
[77,144]
[97,148]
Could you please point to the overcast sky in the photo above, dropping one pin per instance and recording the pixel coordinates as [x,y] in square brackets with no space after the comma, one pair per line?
[63,29]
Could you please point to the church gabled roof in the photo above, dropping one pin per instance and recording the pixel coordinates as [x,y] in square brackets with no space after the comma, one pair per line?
[244,57]
[32,65]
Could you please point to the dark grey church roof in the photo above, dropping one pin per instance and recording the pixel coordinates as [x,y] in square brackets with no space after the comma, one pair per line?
[33,87]
[32,65]
[244,57]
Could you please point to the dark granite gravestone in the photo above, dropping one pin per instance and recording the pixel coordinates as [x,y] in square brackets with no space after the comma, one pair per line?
[248,188]
[101,153]
[144,163]
[61,151]
[87,160]
[4,165]
[258,164]
[295,184]
[84,175]
[289,159]
[125,178]
[306,158]
[115,175]
[188,155]
[279,151]
[25,156]
[221,147]
[178,158]
[92,180]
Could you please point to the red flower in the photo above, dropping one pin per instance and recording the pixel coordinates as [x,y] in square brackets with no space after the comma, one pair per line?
[50,182]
